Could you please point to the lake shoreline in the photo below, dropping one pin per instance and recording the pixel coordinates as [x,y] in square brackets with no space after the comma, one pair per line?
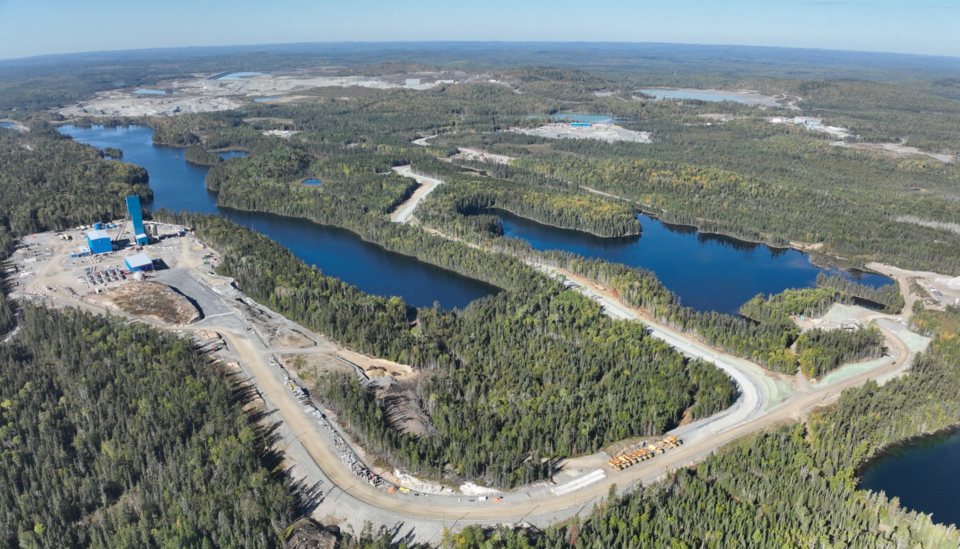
[362,239]
[339,252]
[625,235]
[884,451]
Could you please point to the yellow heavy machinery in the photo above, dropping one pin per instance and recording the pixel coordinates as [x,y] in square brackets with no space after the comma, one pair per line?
[628,459]
[619,463]
[670,443]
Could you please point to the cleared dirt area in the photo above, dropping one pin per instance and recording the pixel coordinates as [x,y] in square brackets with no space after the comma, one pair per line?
[722,117]
[290,339]
[477,155]
[150,300]
[268,119]
[403,413]
[128,104]
[813,125]
[311,367]
[601,132]
[894,150]
[377,367]
[227,91]
[936,290]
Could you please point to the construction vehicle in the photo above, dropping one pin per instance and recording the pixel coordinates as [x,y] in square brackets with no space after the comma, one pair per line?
[631,458]
[628,459]
[670,443]
[619,464]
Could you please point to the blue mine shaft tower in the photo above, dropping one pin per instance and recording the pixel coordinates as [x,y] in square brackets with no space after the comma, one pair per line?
[136,217]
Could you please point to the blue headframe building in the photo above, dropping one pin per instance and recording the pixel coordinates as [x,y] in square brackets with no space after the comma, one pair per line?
[136,216]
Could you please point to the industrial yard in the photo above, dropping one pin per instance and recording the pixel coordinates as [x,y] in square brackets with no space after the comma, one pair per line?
[53,263]
[813,125]
[610,133]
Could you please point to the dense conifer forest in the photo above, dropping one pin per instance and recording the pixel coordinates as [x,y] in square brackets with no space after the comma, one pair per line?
[115,435]
[196,155]
[50,182]
[793,486]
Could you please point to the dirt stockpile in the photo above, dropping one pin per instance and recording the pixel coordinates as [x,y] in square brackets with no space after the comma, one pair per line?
[149,300]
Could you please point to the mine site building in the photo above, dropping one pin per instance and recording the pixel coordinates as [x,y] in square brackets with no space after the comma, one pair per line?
[136,217]
[99,242]
[139,263]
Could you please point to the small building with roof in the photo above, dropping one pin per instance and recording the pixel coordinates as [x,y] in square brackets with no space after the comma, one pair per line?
[99,241]
[139,263]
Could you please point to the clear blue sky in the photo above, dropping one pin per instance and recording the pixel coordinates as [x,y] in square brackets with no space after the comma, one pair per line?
[37,27]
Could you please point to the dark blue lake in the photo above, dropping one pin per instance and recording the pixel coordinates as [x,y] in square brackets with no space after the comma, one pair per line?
[708,272]
[178,185]
[923,474]
[6,125]
[313,182]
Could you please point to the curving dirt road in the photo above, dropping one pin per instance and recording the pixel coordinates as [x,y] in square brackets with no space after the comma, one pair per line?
[520,507]
[404,212]
[447,508]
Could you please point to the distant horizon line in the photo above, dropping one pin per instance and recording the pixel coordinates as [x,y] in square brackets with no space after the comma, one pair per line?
[465,42]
